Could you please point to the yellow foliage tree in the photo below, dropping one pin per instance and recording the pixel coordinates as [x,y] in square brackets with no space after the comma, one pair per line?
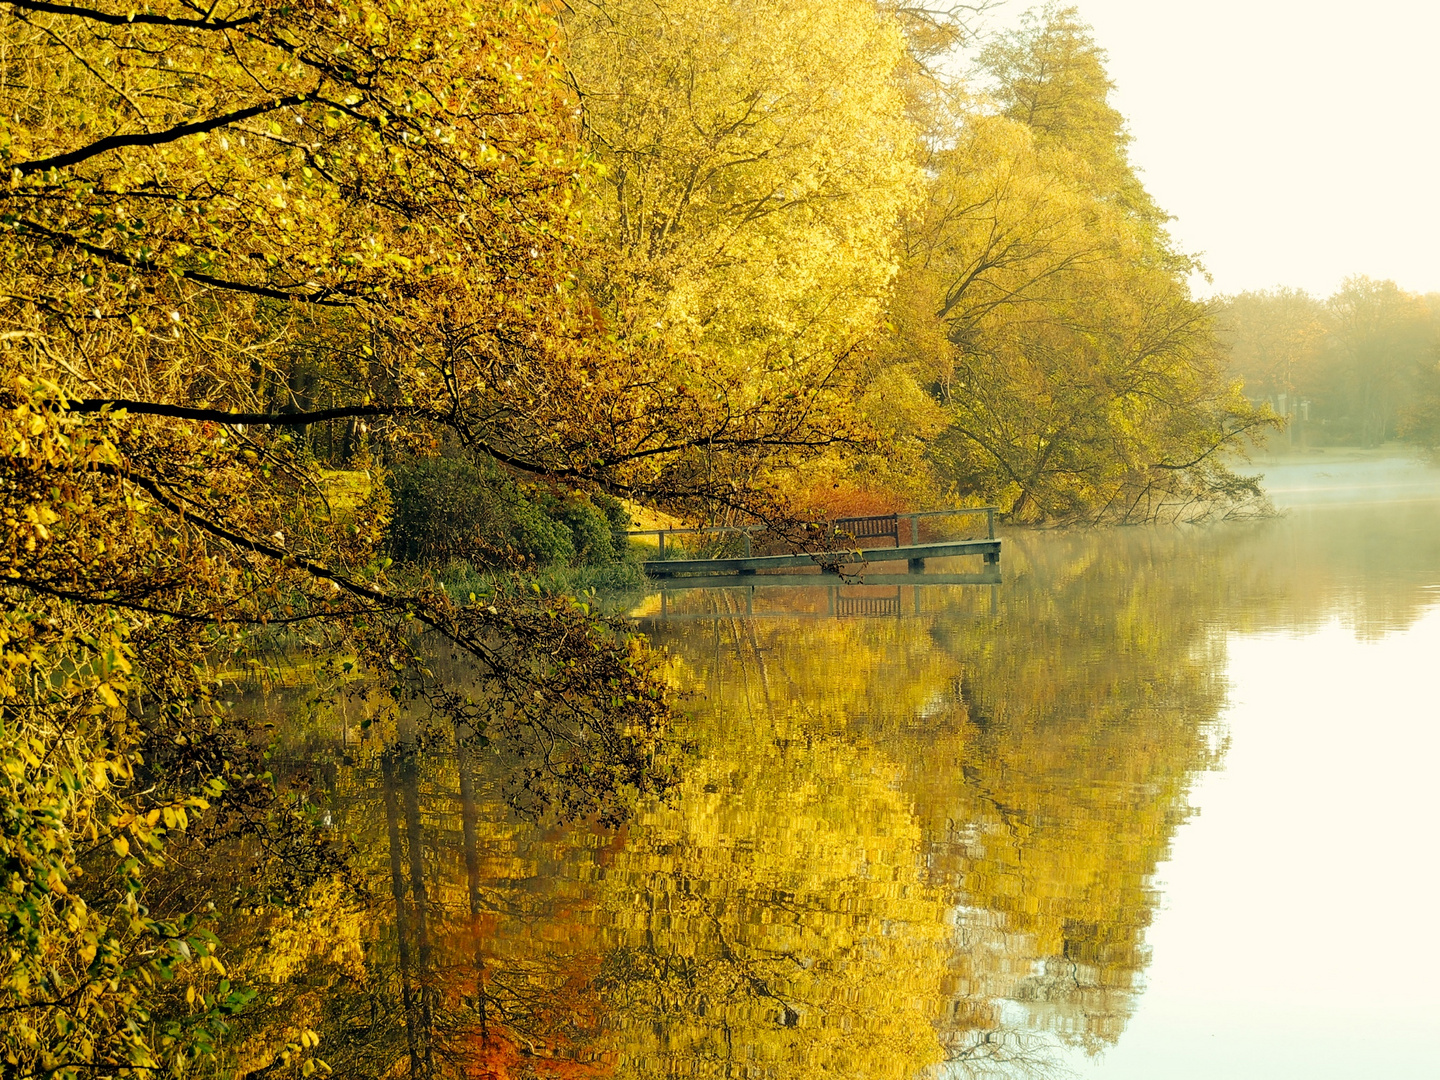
[756,159]
[1044,306]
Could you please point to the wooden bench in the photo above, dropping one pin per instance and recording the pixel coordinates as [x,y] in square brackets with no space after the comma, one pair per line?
[865,528]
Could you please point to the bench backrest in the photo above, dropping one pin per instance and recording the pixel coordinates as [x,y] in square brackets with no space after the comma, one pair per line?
[883,525]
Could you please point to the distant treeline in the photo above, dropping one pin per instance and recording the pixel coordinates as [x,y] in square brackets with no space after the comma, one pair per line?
[1359,368]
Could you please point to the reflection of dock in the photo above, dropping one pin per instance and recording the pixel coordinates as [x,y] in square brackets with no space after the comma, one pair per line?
[837,603]
[914,555]
[867,605]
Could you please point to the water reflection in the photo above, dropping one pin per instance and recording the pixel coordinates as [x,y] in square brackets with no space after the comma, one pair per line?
[902,843]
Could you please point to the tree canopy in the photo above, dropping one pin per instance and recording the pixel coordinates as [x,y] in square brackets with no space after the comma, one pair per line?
[1049,74]
[1044,309]
[221,227]
[753,160]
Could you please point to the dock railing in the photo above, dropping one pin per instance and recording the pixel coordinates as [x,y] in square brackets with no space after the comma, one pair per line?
[866,527]
[745,531]
[988,511]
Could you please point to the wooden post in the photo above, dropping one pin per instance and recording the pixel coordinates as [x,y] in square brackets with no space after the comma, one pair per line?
[662,543]
[990,521]
[747,543]
[914,529]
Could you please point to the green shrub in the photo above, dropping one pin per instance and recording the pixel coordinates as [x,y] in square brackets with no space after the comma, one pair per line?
[534,533]
[589,529]
[450,509]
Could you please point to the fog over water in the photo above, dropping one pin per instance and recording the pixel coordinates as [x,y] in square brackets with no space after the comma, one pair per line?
[1334,476]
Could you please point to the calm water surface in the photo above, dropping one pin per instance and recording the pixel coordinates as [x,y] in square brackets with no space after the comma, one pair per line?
[1160,805]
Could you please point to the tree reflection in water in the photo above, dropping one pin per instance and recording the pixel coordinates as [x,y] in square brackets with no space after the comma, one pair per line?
[902,846]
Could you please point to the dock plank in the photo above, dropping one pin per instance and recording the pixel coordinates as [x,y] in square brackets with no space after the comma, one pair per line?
[990,576]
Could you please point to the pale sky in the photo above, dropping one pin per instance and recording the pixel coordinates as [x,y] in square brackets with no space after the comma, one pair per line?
[1296,142]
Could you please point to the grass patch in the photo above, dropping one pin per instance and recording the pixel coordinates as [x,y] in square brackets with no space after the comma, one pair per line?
[616,586]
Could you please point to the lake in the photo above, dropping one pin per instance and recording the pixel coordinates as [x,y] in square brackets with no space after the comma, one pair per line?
[1161,804]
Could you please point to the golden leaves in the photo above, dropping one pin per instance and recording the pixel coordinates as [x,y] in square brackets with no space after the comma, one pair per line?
[750,188]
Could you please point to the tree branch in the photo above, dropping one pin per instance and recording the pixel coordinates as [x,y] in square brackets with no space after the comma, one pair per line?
[221,416]
[115,142]
[301,419]
[142,18]
[321,298]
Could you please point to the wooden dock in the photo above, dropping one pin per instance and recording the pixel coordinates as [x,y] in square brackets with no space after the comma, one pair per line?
[914,555]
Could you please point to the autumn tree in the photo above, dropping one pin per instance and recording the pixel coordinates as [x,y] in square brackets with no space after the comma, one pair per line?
[755,159]
[1379,342]
[1049,75]
[1419,419]
[1362,360]
[1045,310]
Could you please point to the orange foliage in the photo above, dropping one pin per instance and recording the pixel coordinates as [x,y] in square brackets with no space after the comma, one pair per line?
[844,500]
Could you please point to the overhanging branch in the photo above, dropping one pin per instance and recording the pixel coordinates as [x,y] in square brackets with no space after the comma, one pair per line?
[133,17]
[221,416]
[321,297]
[396,411]
[157,138]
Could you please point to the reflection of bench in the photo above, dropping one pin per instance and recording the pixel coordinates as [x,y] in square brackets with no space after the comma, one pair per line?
[866,605]
[863,528]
